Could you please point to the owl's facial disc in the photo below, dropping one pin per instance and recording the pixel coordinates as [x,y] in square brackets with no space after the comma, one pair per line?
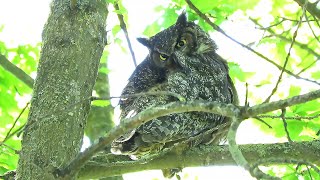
[160,60]
[186,42]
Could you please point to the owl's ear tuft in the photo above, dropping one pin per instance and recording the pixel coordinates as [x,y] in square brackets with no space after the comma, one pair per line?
[182,19]
[145,41]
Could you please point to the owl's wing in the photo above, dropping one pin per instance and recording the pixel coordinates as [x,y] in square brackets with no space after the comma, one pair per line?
[206,78]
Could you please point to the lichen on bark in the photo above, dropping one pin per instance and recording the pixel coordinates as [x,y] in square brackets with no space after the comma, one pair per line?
[73,41]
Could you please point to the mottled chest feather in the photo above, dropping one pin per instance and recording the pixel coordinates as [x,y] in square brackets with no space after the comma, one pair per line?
[182,60]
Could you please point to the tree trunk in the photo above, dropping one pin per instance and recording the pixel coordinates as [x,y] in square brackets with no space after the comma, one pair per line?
[73,41]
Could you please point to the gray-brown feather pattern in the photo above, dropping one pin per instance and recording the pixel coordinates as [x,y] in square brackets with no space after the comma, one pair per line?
[196,73]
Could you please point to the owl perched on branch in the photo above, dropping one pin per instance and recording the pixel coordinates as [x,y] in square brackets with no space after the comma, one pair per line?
[182,59]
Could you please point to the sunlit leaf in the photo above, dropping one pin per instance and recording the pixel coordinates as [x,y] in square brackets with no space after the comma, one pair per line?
[115,30]
[315,75]
[237,72]
[294,90]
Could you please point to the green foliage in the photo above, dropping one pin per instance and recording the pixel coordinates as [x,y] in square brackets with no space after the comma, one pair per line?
[237,73]
[294,172]
[13,95]
[294,90]
[100,119]
[315,75]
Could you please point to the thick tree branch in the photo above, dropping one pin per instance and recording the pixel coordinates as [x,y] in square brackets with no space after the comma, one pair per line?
[110,165]
[143,117]
[71,49]
[311,7]
[228,110]
[20,74]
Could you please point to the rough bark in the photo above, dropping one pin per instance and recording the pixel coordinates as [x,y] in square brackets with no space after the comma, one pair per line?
[311,7]
[73,41]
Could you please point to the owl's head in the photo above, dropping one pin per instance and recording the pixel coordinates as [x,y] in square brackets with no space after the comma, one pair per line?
[183,38]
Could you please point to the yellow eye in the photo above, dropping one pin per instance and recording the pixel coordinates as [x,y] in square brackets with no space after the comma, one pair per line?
[181,43]
[163,57]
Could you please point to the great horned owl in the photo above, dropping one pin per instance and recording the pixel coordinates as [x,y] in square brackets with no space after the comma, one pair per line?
[182,59]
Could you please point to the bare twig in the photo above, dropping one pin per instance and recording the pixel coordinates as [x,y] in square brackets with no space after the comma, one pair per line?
[288,55]
[300,45]
[290,117]
[17,131]
[273,25]
[314,34]
[285,125]
[20,74]
[125,31]
[246,103]
[14,124]
[307,67]
[316,20]
[281,21]
[217,28]
[9,147]
[265,123]
[309,173]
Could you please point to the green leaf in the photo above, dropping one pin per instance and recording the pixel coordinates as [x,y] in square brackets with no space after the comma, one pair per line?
[290,177]
[169,17]
[101,103]
[263,82]
[295,128]
[294,90]
[152,29]
[121,11]
[111,1]
[104,70]
[315,75]
[306,108]
[237,72]
[115,30]
[205,5]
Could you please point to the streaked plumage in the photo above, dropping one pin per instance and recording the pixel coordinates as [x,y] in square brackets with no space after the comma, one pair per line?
[182,59]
